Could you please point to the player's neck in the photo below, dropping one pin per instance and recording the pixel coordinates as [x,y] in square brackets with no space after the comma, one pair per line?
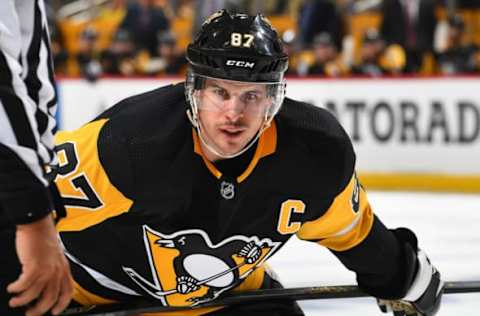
[234,167]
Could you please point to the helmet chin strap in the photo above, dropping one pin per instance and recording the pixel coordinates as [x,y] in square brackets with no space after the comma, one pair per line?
[193,117]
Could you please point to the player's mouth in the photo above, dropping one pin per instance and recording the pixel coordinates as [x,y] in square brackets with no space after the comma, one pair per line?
[232,132]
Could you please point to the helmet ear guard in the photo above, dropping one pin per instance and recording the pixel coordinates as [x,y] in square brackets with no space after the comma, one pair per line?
[192,84]
[198,83]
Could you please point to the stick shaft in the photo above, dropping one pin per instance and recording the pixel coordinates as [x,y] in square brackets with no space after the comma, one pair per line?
[303,293]
[462,287]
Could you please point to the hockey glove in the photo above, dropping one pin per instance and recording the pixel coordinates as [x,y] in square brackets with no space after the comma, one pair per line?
[425,292]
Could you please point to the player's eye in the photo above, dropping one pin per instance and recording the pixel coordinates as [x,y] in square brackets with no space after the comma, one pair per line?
[251,98]
[222,93]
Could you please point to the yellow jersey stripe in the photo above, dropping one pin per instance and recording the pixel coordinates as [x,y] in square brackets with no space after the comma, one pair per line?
[342,227]
[89,168]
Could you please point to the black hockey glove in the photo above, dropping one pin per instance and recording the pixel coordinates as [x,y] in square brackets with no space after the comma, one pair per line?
[425,292]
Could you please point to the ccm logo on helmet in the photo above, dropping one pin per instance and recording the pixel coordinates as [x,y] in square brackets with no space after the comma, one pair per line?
[240,63]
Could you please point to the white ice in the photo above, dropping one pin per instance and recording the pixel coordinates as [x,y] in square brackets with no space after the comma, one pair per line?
[447,226]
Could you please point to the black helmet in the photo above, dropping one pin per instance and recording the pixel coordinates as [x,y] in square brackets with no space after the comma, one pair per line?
[238,47]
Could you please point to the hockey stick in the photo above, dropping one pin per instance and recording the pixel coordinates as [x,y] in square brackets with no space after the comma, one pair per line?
[302,293]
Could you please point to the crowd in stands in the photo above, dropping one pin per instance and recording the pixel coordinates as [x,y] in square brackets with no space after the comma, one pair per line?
[322,37]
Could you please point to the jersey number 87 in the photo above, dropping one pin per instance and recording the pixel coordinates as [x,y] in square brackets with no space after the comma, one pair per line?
[68,166]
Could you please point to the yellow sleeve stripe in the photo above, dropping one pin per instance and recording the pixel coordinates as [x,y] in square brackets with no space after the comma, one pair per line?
[354,236]
[350,227]
[343,225]
[113,202]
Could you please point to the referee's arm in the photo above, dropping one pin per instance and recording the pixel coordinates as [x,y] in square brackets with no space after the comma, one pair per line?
[27,107]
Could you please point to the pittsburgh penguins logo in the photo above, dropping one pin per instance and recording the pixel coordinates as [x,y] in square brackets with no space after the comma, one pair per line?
[187,269]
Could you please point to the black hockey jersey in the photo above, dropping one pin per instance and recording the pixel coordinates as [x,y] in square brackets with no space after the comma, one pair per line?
[149,216]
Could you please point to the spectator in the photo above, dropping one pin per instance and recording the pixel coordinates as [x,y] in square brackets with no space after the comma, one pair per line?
[411,24]
[204,9]
[145,21]
[168,60]
[57,43]
[119,58]
[88,55]
[458,57]
[59,53]
[175,62]
[317,16]
[371,51]
[326,62]
[377,58]
[290,47]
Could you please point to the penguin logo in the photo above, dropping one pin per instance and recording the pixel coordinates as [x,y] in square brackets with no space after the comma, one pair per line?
[188,269]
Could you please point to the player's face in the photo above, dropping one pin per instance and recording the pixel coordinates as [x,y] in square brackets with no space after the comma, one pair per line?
[231,113]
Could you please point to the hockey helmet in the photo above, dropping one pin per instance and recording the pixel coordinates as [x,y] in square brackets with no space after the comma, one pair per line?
[238,48]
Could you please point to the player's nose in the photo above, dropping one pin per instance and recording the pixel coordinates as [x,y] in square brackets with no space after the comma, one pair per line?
[233,108]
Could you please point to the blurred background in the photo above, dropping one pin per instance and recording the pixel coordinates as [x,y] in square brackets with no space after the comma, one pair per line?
[400,75]
[323,37]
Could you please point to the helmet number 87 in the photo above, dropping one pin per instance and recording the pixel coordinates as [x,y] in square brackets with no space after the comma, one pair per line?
[239,39]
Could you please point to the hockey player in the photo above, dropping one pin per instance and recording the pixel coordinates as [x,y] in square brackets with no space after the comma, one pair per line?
[181,194]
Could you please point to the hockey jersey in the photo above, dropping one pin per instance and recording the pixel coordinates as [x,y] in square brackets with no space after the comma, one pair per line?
[149,216]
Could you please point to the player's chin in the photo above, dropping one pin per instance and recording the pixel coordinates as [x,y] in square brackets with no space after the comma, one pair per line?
[232,143]
[230,147]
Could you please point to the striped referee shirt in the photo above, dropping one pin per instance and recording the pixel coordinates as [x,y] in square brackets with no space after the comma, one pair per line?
[27,109]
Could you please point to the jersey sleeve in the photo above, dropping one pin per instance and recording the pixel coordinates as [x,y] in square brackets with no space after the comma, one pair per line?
[84,179]
[27,109]
[358,238]
[346,223]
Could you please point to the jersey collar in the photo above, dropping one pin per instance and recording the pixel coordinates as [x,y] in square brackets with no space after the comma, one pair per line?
[267,144]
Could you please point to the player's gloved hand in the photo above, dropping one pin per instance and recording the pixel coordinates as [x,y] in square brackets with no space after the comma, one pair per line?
[425,292]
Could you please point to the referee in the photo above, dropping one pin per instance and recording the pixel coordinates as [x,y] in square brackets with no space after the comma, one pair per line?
[28,239]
